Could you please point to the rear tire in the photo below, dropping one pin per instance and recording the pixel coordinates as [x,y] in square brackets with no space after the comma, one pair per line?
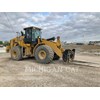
[16,53]
[44,54]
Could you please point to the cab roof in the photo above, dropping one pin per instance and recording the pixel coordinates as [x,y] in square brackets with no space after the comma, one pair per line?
[32,27]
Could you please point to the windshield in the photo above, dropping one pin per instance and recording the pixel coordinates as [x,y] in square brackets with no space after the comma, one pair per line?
[36,34]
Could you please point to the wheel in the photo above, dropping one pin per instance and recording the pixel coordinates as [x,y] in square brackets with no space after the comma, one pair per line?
[56,57]
[16,53]
[44,54]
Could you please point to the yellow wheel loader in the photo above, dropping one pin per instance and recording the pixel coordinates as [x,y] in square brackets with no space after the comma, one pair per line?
[31,44]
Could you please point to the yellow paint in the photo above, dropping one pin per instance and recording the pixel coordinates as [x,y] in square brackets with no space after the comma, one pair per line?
[30,49]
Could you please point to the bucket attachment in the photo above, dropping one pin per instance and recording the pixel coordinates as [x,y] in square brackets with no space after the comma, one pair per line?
[68,55]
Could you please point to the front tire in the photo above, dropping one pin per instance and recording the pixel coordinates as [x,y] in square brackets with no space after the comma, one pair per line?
[16,53]
[44,54]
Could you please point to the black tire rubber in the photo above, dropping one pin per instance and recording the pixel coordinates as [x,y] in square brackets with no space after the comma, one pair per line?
[56,57]
[49,54]
[18,51]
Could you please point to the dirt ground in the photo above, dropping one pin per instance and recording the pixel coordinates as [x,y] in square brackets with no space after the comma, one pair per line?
[84,72]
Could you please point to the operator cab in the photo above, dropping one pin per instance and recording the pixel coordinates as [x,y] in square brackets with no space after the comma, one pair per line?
[32,34]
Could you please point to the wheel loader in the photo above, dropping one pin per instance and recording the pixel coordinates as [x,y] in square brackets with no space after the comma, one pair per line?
[30,44]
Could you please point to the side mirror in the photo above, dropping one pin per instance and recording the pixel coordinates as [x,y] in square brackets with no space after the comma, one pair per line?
[22,33]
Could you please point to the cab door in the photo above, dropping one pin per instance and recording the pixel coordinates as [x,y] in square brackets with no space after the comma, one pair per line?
[28,36]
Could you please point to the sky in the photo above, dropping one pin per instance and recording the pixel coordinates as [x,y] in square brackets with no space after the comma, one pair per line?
[70,26]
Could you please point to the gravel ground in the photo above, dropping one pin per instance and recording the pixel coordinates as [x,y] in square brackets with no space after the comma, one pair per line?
[2,49]
[83,72]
